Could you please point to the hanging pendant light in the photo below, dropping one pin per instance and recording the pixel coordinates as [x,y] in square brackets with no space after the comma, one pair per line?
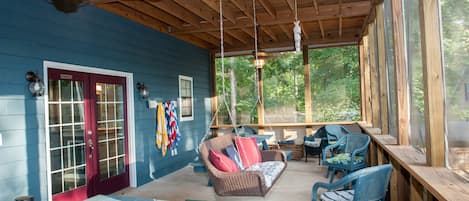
[297,30]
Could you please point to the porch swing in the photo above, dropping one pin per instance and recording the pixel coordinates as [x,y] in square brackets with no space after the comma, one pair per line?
[259,171]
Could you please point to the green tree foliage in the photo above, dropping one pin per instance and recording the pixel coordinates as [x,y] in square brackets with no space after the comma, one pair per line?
[334,79]
[456,51]
[335,84]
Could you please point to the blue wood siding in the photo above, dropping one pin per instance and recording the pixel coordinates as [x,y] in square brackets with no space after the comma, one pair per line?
[32,31]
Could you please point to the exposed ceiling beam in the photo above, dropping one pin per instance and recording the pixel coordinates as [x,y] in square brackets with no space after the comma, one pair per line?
[354,9]
[227,13]
[305,33]
[148,21]
[288,32]
[241,5]
[209,38]
[249,31]
[226,38]
[177,11]
[154,12]
[269,32]
[316,7]
[291,5]
[196,7]
[268,7]
[288,44]
[239,35]
[322,29]
[340,18]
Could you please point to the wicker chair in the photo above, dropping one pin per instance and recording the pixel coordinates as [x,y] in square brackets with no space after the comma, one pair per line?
[246,183]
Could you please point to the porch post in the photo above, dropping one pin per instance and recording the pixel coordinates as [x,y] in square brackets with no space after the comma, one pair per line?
[375,121]
[366,74]
[383,81]
[260,103]
[307,83]
[432,83]
[213,87]
[362,81]
[402,100]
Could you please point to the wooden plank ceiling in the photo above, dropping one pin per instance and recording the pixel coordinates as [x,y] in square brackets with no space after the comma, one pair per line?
[197,21]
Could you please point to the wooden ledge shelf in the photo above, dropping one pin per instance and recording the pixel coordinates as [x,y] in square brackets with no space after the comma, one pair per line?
[441,183]
[284,124]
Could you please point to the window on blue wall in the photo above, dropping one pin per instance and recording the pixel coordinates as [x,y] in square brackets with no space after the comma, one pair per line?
[455,24]
[415,74]
[186,100]
[392,106]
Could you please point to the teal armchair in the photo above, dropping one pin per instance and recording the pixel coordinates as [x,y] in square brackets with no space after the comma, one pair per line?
[347,155]
[367,184]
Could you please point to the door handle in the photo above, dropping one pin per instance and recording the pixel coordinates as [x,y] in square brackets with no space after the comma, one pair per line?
[91,146]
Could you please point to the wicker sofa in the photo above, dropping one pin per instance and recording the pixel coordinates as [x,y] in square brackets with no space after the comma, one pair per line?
[245,183]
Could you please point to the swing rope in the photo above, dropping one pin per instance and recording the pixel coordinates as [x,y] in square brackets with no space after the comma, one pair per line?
[224,101]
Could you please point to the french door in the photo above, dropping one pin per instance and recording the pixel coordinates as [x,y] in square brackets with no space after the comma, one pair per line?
[87,134]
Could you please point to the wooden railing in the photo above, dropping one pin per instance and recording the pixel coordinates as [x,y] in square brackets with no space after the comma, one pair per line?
[412,179]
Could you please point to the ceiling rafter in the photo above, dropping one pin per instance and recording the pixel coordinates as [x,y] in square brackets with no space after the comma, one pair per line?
[269,32]
[227,13]
[241,5]
[197,8]
[288,32]
[268,7]
[197,21]
[177,11]
[330,12]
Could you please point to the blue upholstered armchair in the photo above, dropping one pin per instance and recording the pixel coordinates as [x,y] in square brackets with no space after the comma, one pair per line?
[347,155]
[314,144]
[367,184]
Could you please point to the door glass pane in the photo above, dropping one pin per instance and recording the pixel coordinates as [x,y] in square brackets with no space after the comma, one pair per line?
[65,90]
[110,128]
[69,179]
[54,90]
[66,135]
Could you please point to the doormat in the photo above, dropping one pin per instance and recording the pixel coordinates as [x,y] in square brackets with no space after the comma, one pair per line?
[118,198]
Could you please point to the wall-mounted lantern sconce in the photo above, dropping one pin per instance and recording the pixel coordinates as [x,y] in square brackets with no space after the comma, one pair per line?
[260,61]
[36,87]
[143,90]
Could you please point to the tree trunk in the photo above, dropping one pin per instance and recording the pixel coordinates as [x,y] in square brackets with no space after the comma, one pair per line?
[233,90]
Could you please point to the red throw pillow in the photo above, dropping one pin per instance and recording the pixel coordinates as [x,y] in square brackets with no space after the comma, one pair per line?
[222,162]
[248,151]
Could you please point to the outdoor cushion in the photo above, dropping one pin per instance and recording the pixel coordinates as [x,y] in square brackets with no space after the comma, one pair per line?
[270,170]
[222,162]
[248,151]
[234,156]
[338,195]
[315,143]
[344,159]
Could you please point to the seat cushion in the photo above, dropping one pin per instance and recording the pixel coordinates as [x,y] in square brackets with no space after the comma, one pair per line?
[248,151]
[270,170]
[234,156]
[222,162]
[314,144]
[338,195]
[344,159]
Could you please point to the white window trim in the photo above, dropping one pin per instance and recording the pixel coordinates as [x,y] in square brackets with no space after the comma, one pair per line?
[130,114]
[181,118]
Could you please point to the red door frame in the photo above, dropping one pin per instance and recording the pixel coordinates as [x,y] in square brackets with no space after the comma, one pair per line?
[94,186]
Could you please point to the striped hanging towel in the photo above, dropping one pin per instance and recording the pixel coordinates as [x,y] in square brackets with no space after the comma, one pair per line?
[161,132]
[173,128]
